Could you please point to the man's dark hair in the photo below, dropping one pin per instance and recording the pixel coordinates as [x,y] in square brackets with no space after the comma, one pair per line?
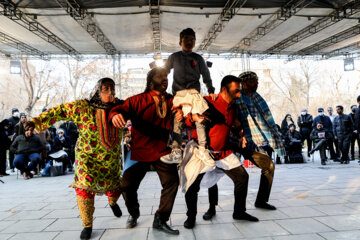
[320,123]
[225,82]
[341,107]
[22,114]
[29,124]
[358,99]
[353,106]
[187,31]
[150,77]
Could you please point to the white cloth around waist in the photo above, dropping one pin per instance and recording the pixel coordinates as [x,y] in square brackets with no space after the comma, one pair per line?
[191,101]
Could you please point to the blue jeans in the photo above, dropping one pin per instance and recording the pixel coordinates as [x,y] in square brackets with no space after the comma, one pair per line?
[21,162]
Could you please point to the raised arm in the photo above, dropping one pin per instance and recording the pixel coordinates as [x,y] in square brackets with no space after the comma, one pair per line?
[206,76]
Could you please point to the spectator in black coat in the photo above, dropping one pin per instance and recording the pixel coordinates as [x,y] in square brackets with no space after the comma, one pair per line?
[293,144]
[285,124]
[72,133]
[357,119]
[305,122]
[14,119]
[343,129]
[355,134]
[327,125]
[61,149]
[5,126]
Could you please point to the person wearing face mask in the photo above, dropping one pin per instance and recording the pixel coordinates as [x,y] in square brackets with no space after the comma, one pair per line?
[4,145]
[355,134]
[305,122]
[327,125]
[60,149]
[27,148]
[14,119]
[97,151]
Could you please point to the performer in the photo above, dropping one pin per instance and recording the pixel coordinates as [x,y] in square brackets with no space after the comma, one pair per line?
[221,112]
[151,120]
[262,138]
[97,150]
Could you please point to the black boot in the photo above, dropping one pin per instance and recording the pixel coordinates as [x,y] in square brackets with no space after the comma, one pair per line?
[86,233]
[264,205]
[190,222]
[116,210]
[323,162]
[162,226]
[210,213]
[244,216]
[131,222]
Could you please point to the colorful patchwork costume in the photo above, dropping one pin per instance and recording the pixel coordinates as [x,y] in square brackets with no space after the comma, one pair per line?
[97,151]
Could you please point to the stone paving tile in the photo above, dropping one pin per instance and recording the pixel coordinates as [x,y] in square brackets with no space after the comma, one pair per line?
[185,234]
[343,235]
[35,236]
[28,226]
[109,222]
[180,218]
[263,214]
[68,213]
[128,234]
[24,215]
[4,215]
[60,205]
[335,209]
[303,225]
[217,231]
[28,206]
[340,223]
[299,237]
[70,235]
[300,212]
[6,236]
[65,225]
[260,229]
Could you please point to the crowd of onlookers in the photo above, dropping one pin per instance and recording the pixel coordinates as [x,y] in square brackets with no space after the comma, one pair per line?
[334,132]
[29,152]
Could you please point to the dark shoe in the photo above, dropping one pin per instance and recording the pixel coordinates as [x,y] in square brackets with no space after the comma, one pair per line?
[264,205]
[12,170]
[352,158]
[347,161]
[86,233]
[131,222]
[244,216]
[162,226]
[209,214]
[323,163]
[116,210]
[190,222]
[311,152]
[5,174]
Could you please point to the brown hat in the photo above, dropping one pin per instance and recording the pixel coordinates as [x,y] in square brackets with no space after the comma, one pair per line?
[28,125]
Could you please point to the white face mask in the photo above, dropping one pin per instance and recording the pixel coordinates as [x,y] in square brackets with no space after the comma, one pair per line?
[16,114]
[321,114]
[303,113]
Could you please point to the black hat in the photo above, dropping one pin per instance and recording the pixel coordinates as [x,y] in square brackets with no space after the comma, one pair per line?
[44,109]
[14,110]
[247,75]
[320,109]
[22,114]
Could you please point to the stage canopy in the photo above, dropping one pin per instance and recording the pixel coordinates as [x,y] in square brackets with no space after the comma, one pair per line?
[326,28]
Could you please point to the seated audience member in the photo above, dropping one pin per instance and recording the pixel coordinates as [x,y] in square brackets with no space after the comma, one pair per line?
[293,145]
[27,149]
[60,151]
[320,137]
[5,126]
[286,123]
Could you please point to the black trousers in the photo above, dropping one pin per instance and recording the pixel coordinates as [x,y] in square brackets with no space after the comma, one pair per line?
[308,140]
[169,179]
[240,178]
[330,142]
[2,161]
[344,146]
[354,138]
[11,159]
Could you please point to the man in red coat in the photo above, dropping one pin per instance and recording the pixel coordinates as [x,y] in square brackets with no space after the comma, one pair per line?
[151,118]
[221,114]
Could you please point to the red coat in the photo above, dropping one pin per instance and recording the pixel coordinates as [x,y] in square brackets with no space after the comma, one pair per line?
[149,133]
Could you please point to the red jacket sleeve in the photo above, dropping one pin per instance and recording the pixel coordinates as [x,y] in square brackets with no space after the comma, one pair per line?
[123,108]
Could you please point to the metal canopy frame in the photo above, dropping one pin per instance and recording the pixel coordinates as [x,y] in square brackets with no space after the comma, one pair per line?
[87,22]
[154,7]
[29,23]
[227,13]
[23,47]
[275,20]
[335,16]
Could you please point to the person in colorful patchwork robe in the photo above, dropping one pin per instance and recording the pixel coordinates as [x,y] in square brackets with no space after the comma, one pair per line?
[97,151]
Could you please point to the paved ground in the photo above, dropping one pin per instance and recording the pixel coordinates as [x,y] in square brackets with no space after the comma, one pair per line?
[314,202]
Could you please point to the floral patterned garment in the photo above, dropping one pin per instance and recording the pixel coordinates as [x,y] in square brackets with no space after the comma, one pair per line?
[98,148]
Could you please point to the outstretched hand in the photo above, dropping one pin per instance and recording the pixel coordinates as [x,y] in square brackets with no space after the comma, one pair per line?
[119,121]
[213,96]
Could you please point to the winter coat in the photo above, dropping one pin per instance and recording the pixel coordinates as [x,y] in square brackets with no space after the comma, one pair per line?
[343,126]
[27,145]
